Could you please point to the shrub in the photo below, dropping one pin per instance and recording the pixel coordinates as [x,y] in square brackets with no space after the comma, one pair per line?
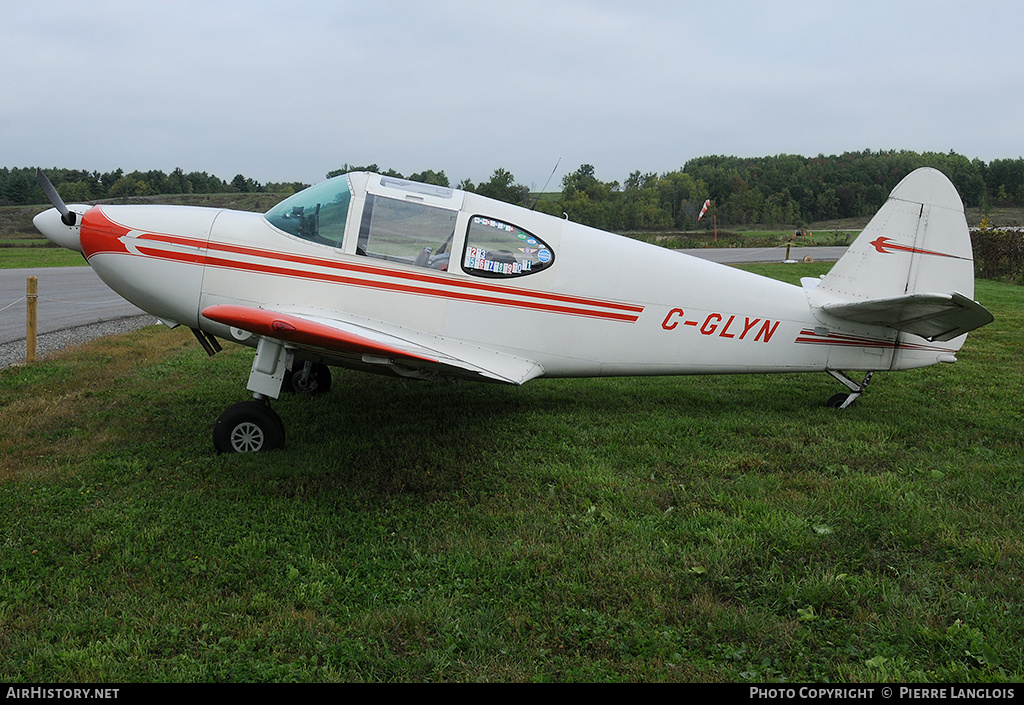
[998,254]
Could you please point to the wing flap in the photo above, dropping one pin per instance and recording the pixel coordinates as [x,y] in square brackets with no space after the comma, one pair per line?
[936,317]
[375,346]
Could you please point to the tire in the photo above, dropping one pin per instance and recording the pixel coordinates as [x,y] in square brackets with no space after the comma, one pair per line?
[836,400]
[317,381]
[248,427]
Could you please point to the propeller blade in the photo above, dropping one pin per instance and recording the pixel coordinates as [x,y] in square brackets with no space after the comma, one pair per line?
[66,216]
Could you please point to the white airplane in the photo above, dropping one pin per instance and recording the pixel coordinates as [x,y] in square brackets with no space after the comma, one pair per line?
[386,275]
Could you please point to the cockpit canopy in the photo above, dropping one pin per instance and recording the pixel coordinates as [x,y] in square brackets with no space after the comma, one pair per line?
[414,224]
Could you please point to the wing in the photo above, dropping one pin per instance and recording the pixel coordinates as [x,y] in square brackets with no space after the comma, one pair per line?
[933,316]
[367,343]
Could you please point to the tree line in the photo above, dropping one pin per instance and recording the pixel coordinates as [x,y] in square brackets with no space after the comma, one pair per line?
[782,190]
[788,190]
[18,186]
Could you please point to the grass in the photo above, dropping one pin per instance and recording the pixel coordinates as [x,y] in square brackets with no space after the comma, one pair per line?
[33,256]
[636,529]
[21,246]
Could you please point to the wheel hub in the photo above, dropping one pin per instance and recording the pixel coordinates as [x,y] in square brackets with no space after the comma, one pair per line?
[247,437]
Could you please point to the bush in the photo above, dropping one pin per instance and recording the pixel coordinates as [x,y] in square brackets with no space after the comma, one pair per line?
[998,254]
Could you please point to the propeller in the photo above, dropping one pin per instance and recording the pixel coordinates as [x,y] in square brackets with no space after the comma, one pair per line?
[67,217]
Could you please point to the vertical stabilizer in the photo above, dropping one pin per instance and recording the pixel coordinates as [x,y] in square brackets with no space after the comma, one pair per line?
[917,242]
[911,271]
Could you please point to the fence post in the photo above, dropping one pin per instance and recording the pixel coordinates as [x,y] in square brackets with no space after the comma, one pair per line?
[31,298]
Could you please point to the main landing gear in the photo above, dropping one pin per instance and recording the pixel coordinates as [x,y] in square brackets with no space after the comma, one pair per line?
[252,426]
[843,400]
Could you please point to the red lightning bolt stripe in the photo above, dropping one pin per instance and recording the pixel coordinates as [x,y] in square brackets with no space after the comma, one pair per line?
[886,247]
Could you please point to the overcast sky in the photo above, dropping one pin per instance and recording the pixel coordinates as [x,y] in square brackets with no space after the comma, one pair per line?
[286,91]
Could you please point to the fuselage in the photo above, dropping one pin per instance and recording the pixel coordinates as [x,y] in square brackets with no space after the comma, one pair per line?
[442,262]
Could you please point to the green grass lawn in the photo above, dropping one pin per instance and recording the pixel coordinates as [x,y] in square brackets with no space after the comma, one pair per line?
[637,529]
[33,256]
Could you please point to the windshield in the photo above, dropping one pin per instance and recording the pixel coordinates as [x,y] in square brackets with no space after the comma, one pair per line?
[317,214]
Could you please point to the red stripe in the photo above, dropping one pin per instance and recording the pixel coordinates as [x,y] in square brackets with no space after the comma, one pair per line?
[811,338]
[105,239]
[419,291]
[886,246]
[423,277]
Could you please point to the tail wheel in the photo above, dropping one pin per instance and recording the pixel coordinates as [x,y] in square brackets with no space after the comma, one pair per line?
[837,400]
[843,400]
[248,427]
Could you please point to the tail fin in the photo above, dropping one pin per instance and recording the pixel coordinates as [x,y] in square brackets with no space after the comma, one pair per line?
[911,268]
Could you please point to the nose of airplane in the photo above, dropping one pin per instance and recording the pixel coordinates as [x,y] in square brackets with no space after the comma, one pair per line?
[50,224]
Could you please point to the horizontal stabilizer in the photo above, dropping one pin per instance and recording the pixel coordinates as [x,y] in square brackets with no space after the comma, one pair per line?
[938,317]
[375,346]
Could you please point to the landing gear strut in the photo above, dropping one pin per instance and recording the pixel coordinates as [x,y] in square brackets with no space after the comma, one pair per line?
[843,400]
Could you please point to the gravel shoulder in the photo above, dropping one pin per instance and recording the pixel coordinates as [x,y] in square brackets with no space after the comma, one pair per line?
[13,353]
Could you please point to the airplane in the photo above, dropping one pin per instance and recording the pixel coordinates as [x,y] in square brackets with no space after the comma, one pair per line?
[418,281]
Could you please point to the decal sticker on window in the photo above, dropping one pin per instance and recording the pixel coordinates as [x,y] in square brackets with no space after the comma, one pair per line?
[495,248]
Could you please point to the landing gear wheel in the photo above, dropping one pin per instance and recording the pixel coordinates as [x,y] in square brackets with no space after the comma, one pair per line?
[248,427]
[836,400]
[843,400]
[311,378]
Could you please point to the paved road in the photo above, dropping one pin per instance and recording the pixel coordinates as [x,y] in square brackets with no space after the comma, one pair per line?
[68,297]
[75,296]
[735,255]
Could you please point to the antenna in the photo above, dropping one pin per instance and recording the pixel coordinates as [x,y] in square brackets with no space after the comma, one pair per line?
[545,187]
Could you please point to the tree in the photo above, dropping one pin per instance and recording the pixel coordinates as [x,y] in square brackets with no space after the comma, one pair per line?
[587,200]
[585,180]
[435,178]
[346,168]
[682,196]
[19,188]
[1006,181]
[642,208]
[177,183]
[502,186]
[74,191]
[128,186]
[110,178]
[780,208]
[245,185]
